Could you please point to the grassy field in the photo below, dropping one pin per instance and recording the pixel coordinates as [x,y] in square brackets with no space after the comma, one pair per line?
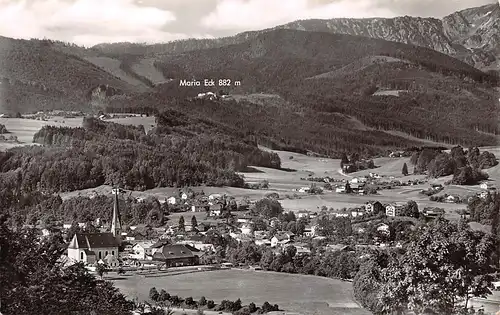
[303,294]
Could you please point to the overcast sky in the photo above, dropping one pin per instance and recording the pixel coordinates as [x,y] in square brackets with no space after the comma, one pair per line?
[88,22]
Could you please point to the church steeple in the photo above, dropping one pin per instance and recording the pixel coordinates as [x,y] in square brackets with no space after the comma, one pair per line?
[116,224]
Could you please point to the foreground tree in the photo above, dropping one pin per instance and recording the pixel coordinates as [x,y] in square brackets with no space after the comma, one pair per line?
[33,281]
[268,208]
[444,265]
[101,269]
[404,171]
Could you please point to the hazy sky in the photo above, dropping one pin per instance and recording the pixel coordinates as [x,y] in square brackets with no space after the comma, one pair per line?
[88,22]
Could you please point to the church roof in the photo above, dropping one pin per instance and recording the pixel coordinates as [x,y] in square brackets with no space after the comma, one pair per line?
[94,240]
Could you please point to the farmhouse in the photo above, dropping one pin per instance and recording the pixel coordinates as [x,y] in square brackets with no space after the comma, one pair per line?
[214,197]
[247,229]
[142,250]
[171,200]
[176,255]
[302,214]
[373,207]
[310,231]
[304,189]
[452,199]
[282,238]
[394,210]
[487,186]
[340,189]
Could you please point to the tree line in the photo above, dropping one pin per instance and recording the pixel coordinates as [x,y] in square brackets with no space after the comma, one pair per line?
[465,165]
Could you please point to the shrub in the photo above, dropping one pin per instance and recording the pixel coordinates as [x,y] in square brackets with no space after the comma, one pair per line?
[203,301]
[164,296]
[153,294]
[189,301]
[252,307]
[210,304]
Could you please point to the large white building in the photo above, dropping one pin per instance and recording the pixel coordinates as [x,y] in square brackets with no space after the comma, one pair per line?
[91,248]
[142,250]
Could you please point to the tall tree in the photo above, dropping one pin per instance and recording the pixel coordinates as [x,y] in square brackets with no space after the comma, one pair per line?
[343,160]
[182,226]
[443,265]
[194,222]
[404,171]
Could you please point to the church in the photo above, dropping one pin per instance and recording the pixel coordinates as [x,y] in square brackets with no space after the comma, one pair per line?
[91,248]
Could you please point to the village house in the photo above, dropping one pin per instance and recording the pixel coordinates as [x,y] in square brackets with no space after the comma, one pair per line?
[198,245]
[394,210]
[304,189]
[358,180]
[199,208]
[340,189]
[247,228]
[357,213]
[66,226]
[301,249]
[273,222]
[282,238]
[244,219]
[302,214]
[339,248]
[175,255]
[259,241]
[214,197]
[452,199]
[483,194]
[171,200]
[383,228]
[242,238]
[142,250]
[358,187]
[310,231]
[374,207]
[487,186]
[340,214]
[215,210]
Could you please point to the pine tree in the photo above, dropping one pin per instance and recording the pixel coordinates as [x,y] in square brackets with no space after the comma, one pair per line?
[182,226]
[405,170]
[194,222]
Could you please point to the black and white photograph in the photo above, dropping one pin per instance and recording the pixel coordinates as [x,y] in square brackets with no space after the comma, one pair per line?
[245,157]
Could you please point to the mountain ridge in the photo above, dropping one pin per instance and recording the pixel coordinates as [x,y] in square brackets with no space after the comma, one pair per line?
[456,34]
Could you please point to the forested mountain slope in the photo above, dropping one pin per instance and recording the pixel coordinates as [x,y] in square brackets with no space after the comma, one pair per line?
[443,99]
[37,76]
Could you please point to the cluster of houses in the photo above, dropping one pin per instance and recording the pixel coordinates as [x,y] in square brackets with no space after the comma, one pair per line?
[172,246]
[211,96]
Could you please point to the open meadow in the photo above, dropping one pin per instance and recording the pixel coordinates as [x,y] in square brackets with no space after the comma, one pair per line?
[307,295]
